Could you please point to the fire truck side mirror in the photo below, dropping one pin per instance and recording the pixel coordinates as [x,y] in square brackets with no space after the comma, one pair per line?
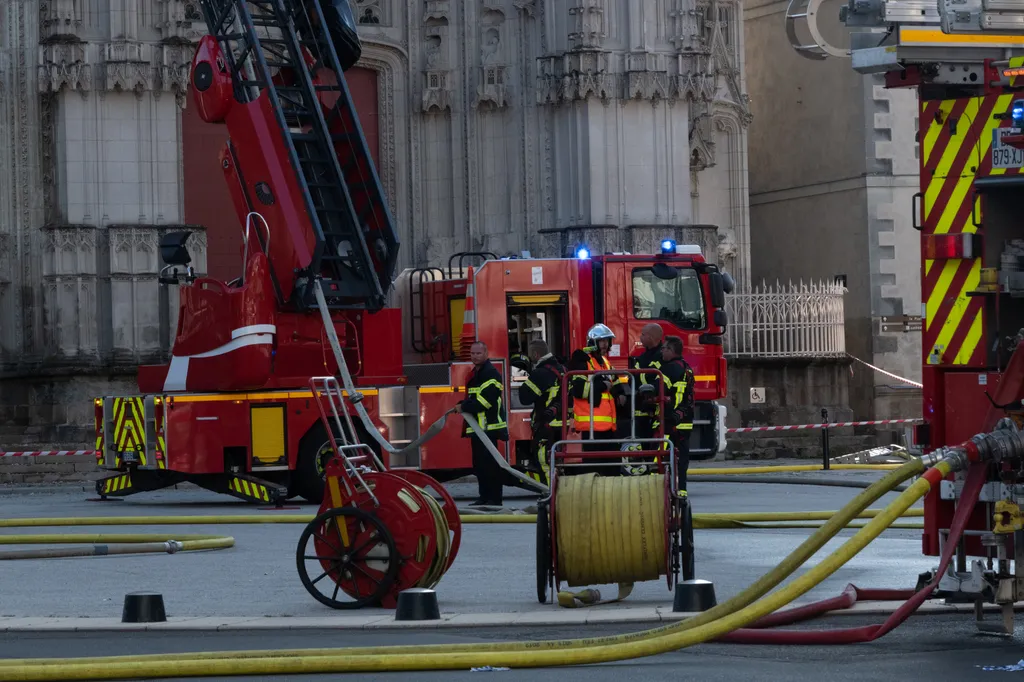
[721,318]
[717,284]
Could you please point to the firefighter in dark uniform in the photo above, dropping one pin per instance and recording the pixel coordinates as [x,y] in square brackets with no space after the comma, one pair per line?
[678,408]
[542,390]
[651,337]
[483,401]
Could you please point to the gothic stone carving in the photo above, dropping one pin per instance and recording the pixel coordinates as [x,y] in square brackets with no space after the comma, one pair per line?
[59,19]
[372,13]
[175,66]
[69,250]
[181,21]
[63,64]
[492,89]
[574,76]
[529,7]
[646,76]
[128,66]
[589,24]
[437,77]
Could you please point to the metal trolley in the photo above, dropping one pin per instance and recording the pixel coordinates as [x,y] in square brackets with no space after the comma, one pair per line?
[379,531]
[678,521]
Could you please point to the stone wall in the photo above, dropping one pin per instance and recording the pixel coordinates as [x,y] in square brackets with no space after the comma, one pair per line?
[795,393]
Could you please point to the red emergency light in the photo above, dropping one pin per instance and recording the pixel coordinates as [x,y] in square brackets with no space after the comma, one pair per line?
[951,246]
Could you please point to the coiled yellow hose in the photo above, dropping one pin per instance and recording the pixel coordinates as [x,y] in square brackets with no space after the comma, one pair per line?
[610,529]
[156,665]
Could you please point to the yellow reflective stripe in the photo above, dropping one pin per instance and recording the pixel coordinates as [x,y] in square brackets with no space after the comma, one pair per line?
[603,420]
[532,386]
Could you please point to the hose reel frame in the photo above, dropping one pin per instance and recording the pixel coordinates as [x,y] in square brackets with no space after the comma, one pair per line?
[677,523]
[418,533]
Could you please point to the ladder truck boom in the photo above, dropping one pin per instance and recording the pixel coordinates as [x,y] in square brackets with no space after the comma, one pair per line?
[965,59]
[272,70]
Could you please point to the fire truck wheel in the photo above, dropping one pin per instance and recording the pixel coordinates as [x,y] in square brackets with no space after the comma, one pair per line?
[314,452]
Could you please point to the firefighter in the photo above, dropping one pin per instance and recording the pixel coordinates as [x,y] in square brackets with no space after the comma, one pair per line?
[678,408]
[651,337]
[606,390]
[542,390]
[483,400]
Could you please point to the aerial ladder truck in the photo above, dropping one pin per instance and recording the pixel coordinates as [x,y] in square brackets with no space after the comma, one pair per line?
[234,410]
[965,59]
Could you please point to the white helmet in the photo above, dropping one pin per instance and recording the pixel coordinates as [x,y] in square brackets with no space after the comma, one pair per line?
[600,331]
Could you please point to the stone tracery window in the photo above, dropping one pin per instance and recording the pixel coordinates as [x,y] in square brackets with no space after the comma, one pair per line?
[370,12]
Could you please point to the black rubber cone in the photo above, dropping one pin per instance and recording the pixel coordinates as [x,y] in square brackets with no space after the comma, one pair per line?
[417,603]
[143,607]
[694,596]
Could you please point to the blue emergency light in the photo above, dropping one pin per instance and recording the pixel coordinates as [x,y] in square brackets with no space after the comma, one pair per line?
[668,246]
[583,253]
[1017,113]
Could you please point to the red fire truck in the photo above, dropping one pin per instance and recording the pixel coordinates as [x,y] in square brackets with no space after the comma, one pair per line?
[233,410]
[964,61]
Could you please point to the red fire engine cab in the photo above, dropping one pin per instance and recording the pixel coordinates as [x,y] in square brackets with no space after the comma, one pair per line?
[964,59]
[233,410]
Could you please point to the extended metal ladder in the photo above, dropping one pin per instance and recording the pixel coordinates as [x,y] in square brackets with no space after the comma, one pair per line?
[356,243]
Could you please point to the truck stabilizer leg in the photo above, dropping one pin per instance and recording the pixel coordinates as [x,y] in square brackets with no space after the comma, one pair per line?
[243,486]
[125,483]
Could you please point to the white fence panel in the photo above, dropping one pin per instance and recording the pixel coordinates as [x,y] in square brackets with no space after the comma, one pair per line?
[801,320]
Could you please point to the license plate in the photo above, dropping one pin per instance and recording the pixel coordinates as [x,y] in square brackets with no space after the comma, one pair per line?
[1003,155]
[130,456]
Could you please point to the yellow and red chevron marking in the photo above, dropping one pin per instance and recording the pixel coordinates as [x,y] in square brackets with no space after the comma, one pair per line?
[956,144]
[129,426]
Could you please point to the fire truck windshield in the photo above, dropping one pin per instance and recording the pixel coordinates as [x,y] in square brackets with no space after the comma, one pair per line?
[678,300]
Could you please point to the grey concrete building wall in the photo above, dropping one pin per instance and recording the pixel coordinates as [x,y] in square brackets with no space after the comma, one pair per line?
[833,169]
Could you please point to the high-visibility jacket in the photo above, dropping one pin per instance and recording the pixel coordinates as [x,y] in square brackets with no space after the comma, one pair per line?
[542,390]
[649,359]
[484,392]
[678,409]
[582,387]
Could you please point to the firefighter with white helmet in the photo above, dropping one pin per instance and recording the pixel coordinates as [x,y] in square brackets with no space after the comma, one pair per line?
[603,389]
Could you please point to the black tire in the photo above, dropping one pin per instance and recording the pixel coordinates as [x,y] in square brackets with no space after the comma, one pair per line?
[384,536]
[543,553]
[309,477]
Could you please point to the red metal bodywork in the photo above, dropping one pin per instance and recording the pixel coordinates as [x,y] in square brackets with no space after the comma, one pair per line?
[962,375]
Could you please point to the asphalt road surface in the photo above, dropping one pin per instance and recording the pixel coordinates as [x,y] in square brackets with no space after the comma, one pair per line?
[494,571]
[923,648]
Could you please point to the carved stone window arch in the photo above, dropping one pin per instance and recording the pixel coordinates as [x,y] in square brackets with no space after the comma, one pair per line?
[372,13]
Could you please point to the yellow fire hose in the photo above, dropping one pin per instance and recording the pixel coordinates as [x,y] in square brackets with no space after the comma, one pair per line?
[729,615]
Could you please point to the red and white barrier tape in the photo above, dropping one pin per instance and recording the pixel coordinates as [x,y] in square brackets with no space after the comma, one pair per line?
[833,425]
[48,453]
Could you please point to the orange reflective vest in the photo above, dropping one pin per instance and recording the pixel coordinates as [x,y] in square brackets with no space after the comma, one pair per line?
[604,412]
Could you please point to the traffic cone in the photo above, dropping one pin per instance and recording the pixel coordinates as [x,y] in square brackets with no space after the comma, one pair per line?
[468,335]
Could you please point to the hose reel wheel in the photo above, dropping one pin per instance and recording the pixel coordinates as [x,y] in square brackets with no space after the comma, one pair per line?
[422,539]
[354,550]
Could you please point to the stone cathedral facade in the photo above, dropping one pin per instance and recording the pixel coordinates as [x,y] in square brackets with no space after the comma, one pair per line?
[497,125]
